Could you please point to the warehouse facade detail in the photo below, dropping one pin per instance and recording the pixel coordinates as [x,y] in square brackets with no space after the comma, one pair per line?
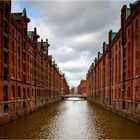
[113,78]
[29,78]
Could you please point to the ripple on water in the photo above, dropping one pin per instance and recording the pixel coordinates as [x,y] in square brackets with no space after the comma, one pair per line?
[71,120]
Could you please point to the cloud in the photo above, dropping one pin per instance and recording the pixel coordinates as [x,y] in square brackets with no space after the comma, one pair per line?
[75,29]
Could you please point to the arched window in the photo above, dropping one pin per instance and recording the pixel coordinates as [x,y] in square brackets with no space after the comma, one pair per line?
[19,92]
[13,91]
[5,93]
[33,92]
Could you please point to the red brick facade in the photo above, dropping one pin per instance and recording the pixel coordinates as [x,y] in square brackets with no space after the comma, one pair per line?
[29,78]
[82,88]
[114,78]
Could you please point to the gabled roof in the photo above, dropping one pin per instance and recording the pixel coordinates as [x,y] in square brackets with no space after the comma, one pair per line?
[19,15]
[16,15]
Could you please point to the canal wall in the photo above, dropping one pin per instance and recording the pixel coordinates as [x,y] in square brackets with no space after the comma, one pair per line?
[17,109]
[131,115]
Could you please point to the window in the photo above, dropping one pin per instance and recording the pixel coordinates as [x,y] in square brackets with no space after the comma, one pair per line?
[24,93]
[5,27]
[13,91]
[12,74]
[24,104]
[24,56]
[28,94]
[19,92]
[124,52]
[24,67]
[19,63]
[123,104]
[5,93]
[5,57]
[18,51]
[119,93]
[18,74]
[32,92]
[24,79]
[5,73]
[5,42]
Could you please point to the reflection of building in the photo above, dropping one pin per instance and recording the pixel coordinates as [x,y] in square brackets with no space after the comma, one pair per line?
[114,77]
[82,88]
[28,76]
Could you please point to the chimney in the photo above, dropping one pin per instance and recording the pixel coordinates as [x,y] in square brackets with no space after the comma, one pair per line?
[104,45]
[98,55]
[41,43]
[110,36]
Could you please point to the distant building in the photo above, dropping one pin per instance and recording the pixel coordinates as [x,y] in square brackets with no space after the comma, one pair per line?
[75,90]
[71,91]
[82,88]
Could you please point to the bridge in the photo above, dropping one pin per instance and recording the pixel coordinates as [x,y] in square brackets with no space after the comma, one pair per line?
[73,96]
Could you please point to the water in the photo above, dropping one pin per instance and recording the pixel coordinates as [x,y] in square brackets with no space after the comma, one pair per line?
[71,119]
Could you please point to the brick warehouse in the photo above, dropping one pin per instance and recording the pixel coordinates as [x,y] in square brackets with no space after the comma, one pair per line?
[29,78]
[113,79]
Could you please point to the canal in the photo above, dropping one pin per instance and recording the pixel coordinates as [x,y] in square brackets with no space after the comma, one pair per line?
[71,119]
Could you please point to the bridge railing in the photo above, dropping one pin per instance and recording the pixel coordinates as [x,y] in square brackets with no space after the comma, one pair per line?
[73,96]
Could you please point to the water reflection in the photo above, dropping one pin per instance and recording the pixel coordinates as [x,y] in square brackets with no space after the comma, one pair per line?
[71,119]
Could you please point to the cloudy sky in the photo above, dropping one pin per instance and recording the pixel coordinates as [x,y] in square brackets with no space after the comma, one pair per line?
[76,29]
